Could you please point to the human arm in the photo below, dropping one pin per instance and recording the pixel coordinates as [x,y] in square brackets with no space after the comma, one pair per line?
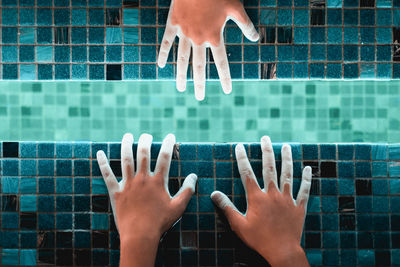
[142,206]
[273,222]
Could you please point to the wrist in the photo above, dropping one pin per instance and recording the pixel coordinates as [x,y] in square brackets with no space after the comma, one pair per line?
[292,255]
[139,237]
[138,250]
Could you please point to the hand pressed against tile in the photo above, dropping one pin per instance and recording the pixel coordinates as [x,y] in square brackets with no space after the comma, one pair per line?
[273,222]
[142,205]
[200,24]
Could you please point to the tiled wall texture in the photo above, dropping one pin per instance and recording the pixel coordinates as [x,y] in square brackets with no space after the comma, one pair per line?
[118,39]
[55,209]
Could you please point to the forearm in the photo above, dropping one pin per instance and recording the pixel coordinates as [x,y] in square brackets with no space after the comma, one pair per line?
[138,251]
[288,257]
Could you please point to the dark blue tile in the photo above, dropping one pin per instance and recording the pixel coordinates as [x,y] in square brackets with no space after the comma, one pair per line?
[206,222]
[205,204]
[63,203]
[28,239]
[10,167]
[46,221]
[46,203]
[363,152]
[63,221]
[328,187]
[64,186]
[327,151]
[346,169]
[46,185]
[81,185]
[330,222]
[46,150]
[10,220]
[9,239]
[363,169]
[81,203]
[81,168]
[310,152]
[204,152]
[345,152]
[205,186]
[187,151]
[46,167]
[82,221]
[223,169]
[63,167]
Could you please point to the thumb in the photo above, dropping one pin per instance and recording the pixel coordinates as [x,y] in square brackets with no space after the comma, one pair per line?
[239,15]
[235,218]
[182,198]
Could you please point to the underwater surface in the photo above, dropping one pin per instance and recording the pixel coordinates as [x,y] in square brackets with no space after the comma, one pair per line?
[289,111]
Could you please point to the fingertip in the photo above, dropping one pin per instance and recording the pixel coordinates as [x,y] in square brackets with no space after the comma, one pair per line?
[100,155]
[227,88]
[191,181]
[181,86]
[239,148]
[171,138]
[265,139]
[308,173]
[146,137]
[128,137]
[161,64]
[255,36]
[215,196]
[286,148]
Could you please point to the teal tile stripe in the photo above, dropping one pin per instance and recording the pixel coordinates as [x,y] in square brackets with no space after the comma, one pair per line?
[302,111]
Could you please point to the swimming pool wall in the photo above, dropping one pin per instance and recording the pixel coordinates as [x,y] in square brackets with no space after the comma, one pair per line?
[119,40]
[55,208]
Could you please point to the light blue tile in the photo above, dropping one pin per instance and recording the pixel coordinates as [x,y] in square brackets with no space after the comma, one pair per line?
[98,186]
[27,72]
[28,185]
[379,152]
[131,16]
[334,3]
[10,257]
[44,54]
[28,257]
[113,35]
[379,169]
[10,185]
[100,221]
[394,151]
[394,169]
[366,257]
[28,202]
[394,186]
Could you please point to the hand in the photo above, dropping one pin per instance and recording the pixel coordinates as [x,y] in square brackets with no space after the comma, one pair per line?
[142,206]
[273,222]
[200,23]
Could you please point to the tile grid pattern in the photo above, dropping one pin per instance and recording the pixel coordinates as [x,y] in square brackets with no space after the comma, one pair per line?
[116,39]
[310,111]
[54,206]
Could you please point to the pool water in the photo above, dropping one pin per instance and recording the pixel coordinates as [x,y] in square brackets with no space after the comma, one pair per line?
[296,111]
